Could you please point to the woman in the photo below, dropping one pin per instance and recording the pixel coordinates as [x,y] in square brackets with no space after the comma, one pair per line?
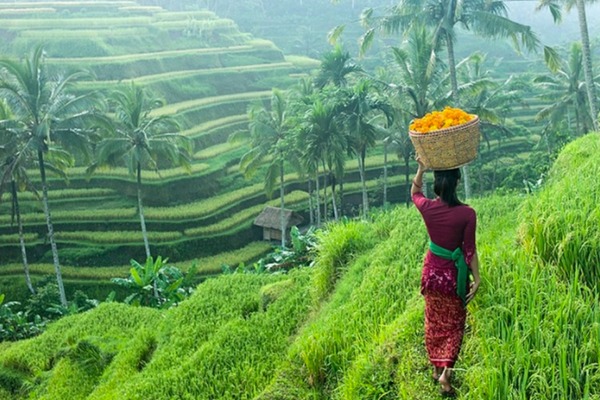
[444,282]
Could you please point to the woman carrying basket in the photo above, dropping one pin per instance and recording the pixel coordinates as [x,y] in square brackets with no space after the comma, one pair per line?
[445,278]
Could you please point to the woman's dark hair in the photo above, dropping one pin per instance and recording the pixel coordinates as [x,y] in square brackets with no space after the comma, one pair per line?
[444,186]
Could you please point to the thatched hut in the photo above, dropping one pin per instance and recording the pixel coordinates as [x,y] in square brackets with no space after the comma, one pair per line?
[269,220]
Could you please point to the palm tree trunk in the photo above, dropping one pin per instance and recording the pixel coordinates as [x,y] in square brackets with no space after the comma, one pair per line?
[15,200]
[467,183]
[342,203]
[324,191]
[141,210]
[282,203]
[333,199]
[454,84]
[59,280]
[361,170]
[318,207]
[407,179]
[143,223]
[385,163]
[310,203]
[587,61]
[452,68]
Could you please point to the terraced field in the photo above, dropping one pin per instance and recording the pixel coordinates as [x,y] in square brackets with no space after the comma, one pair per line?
[208,72]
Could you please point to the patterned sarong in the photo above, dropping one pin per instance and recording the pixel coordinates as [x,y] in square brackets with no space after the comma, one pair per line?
[445,318]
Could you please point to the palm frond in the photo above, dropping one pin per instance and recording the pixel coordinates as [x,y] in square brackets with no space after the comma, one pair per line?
[366,41]
[271,177]
[333,36]
[553,6]
[498,26]
[552,59]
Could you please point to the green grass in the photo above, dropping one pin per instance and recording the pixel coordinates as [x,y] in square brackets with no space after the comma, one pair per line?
[244,217]
[73,23]
[141,345]
[179,107]
[150,56]
[205,265]
[115,237]
[14,238]
[82,33]
[350,327]
[214,151]
[564,226]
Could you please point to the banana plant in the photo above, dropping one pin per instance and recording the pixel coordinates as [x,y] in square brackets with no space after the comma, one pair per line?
[156,284]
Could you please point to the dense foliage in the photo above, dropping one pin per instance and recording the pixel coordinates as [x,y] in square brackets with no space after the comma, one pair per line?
[349,327]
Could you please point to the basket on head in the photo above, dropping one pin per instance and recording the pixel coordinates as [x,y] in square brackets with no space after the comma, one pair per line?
[448,148]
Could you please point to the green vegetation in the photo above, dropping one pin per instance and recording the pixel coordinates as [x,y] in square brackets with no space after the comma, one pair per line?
[350,327]
[564,228]
[209,73]
[206,266]
[156,284]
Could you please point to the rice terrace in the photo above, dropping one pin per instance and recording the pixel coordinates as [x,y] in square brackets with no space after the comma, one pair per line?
[239,199]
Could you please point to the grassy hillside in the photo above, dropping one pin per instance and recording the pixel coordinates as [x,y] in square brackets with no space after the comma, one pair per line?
[351,327]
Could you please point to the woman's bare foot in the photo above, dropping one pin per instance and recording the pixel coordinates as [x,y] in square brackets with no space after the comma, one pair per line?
[437,372]
[446,387]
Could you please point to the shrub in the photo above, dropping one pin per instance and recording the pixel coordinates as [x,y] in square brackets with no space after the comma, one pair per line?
[17,325]
[156,284]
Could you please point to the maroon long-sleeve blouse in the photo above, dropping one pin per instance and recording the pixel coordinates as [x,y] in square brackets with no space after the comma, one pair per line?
[448,227]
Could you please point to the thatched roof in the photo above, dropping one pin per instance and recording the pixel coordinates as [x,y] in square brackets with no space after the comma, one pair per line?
[269,218]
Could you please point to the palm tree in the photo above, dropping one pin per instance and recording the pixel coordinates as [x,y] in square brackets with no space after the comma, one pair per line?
[336,65]
[490,99]
[362,117]
[47,114]
[301,97]
[270,138]
[485,18]
[12,170]
[555,10]
[421,80]
[416,84]
[336,68]
[139,140]
[323,143]
[567,94]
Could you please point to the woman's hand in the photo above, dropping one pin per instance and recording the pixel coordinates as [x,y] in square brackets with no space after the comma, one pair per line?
[473,289]
[417,182]
[422,166]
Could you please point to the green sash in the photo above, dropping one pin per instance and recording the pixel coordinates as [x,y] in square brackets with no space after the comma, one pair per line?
[461,265]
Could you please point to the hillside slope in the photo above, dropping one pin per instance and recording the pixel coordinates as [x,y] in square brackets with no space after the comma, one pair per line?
[351,327]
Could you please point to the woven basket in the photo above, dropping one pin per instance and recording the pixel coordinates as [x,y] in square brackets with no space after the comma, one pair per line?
[448,148]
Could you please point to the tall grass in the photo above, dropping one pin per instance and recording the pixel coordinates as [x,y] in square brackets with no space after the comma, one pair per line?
[564,219]
[374,281]
[349,328]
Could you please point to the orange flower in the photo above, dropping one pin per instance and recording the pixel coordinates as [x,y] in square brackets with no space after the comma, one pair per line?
[436,120]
